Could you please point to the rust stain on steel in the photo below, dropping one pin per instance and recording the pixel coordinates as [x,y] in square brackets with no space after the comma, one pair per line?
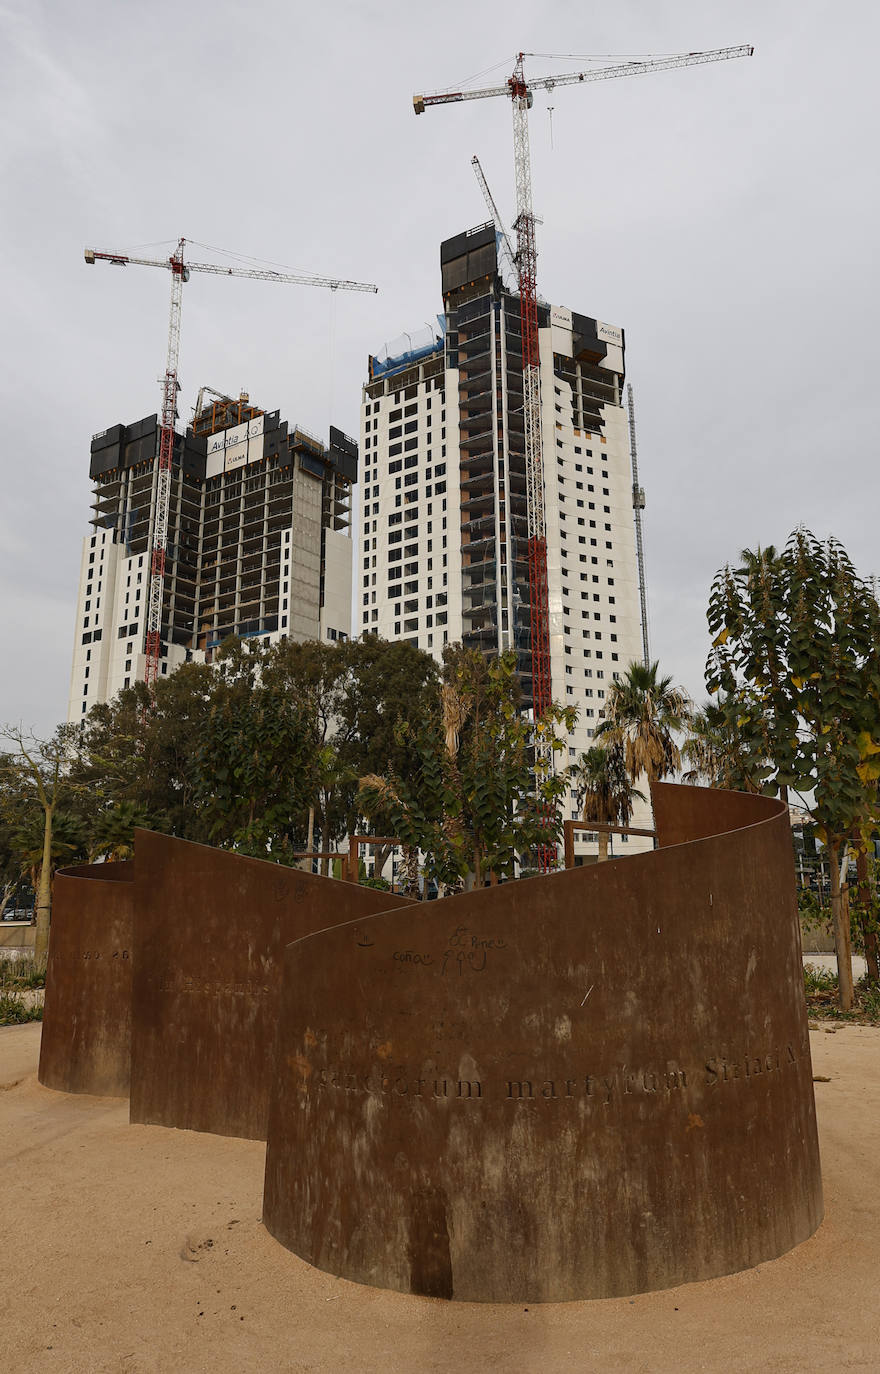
[86,1039]
[210,930]
[524,1144]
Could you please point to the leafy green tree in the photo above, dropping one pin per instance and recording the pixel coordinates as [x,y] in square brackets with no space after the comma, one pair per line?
[142,751]
[471,801]
[256,766]
[604,789]
[797,654]
[749,615]
[423,809]
[37,783]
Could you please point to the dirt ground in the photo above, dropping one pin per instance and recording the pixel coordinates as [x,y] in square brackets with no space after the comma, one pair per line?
[136,1249]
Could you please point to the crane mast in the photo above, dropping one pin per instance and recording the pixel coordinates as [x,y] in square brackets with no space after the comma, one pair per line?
[180,271]
[170,388]
[638,507]
[526,259]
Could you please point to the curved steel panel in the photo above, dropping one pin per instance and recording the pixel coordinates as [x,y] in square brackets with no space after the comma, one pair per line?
[581,1086]
[210,931]
[86,1040]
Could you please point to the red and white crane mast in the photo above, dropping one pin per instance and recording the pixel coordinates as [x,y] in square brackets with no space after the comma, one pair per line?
[180,271]
[526,257]
[170,388]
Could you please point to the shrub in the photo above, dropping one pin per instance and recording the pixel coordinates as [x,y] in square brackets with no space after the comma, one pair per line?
[22,973]
[819,981]
[15,1012]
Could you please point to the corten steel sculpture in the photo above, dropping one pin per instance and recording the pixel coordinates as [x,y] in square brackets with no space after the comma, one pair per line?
[581,1086]
[86,1040]
[210,930]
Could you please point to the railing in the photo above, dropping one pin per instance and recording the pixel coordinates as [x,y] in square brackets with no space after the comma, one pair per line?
[569,827]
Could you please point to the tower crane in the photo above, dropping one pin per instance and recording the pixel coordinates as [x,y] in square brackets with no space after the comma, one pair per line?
[519,92]
[180,270]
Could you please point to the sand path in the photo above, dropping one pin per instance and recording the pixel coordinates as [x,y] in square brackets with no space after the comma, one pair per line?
[136,1250]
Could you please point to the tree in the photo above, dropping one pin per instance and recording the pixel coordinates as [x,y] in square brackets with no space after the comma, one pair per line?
[714,747]
[604,789]
[749,616]
[797,653]
[642,713]
[141,749]
[112,833]
[256,765]
[474,800]
[37,775]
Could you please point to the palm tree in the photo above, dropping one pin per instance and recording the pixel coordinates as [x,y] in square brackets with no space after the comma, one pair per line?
[642,711]
[604,789]
[715,750]
[113,831]
[65,847]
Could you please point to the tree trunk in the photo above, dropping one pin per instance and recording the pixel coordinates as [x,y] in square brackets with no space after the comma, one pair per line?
[306,864]
[478,868]
[603,846]
[409,871]
[44,892]
[867,917]
[840,926]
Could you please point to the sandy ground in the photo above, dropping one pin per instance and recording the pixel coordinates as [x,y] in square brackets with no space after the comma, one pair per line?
[134,1248]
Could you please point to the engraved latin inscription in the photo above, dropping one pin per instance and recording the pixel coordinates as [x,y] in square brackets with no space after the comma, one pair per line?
[601,1089]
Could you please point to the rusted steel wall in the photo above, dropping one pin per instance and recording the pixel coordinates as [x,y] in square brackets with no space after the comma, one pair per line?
[86,1040]
[683,813]
[580,1086]
[210,930]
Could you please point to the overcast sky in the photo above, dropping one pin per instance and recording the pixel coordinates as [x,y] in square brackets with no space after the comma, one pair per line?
[726,216]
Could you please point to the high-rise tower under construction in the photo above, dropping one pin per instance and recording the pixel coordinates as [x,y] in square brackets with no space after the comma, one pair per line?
[444,550]
[258,542]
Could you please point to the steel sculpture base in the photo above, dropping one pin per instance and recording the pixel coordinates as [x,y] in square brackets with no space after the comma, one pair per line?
[581,1086]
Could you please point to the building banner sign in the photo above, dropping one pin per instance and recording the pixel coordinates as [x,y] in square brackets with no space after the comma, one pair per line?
[610,333]
[236,457]
[236,436]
